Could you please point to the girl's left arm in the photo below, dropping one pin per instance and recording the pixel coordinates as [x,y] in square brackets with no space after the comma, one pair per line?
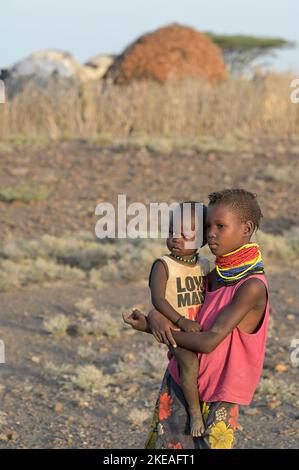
[251,294]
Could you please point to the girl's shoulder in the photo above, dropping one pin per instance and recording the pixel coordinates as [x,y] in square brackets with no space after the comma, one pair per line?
[258,280]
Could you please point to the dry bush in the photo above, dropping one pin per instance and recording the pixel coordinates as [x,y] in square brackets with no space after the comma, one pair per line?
[96,322]
[150,362]
[85,351]
[277,387]
[36,271]
[91,379]
[292,239]
[25,192]
[87,378]
[155,360]
[56,371]
[103,323]
[138,417]
[280,247]
[175,109]
[283,174]
[80,250]
[132,262]
[57,324]
[85,306]
[48,258]
[125,372]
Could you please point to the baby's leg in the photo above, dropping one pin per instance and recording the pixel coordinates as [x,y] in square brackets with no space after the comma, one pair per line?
[188,362]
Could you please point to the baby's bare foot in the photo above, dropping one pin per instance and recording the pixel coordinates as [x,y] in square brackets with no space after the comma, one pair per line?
[197,426]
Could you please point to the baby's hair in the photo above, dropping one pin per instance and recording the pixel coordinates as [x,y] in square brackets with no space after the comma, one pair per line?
[241,201]
[192,207]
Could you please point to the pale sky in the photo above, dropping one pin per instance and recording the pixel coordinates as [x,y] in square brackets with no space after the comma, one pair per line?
[89,27]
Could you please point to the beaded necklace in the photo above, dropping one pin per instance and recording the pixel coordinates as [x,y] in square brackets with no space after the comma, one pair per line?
[185,260]
[238,264]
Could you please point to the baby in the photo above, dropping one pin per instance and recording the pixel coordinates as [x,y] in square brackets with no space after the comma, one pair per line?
[177,284]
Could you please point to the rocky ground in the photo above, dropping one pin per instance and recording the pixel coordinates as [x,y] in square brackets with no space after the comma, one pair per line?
[40,405]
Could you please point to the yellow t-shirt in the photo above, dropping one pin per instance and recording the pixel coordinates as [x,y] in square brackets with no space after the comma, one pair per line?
[185,285]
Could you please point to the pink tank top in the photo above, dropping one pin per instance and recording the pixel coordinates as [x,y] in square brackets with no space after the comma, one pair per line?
[232,371]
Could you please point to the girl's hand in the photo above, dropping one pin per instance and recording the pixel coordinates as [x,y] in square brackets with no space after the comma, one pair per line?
[190,326]
[162,328]
[137,320]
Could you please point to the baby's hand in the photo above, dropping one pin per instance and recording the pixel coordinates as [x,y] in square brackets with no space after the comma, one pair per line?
[136,319]
[189,326]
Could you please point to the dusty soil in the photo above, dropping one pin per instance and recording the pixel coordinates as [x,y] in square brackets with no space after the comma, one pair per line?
[40,410]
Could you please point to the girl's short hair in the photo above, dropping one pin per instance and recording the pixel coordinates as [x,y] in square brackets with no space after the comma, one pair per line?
[241,201]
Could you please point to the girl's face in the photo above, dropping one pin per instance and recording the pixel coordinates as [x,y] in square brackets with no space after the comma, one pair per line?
[225,231]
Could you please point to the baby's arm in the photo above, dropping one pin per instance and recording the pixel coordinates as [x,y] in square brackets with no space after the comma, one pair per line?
[157,282]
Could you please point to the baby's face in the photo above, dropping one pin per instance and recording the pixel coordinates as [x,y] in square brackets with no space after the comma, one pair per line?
[181,236]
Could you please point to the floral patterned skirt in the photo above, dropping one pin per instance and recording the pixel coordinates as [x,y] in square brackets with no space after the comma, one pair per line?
[170,427]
